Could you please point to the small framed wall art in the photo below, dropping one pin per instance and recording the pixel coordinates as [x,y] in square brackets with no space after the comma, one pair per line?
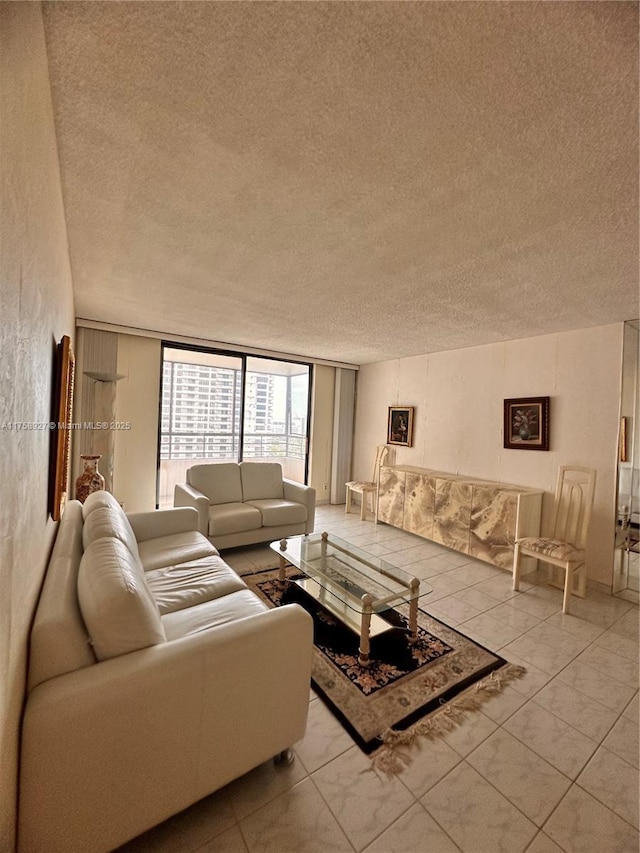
[400,426]
[526,423]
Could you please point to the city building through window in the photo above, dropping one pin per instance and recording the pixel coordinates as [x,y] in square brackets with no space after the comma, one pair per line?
[221,407]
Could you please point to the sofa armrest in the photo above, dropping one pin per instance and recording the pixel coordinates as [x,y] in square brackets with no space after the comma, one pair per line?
[186,495]
[161,727]
[162,522]
[304,495]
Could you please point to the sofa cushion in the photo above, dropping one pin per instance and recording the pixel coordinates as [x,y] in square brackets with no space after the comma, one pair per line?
[175,548]
[109,521]
[233,518]
[275,513]
[261,480]
[192,583]
[116,605]
[212,614]
[220,482]
[99,499]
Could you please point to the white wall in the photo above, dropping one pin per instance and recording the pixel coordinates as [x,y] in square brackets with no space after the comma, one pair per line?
[458,398]
[36,310]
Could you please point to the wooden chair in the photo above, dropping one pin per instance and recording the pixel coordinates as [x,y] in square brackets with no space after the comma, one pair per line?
[564,551]
[366,488]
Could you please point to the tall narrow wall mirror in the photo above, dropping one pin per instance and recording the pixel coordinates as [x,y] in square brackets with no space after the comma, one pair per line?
[627,543]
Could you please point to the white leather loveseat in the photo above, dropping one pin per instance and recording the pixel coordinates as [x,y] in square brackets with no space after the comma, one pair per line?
[247,502]
[155,677]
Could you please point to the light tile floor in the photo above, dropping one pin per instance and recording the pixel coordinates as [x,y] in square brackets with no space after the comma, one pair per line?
[550,764]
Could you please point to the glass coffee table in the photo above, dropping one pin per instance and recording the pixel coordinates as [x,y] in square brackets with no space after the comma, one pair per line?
[353,585]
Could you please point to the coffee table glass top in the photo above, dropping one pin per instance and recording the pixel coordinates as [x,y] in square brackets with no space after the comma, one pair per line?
[348,573]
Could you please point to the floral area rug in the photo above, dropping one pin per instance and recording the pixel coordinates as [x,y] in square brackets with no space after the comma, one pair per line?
[407,692]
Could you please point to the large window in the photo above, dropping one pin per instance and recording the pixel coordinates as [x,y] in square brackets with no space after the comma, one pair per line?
[218,407]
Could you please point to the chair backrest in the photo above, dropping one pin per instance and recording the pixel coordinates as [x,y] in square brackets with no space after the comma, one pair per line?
[381,455]
[574,500]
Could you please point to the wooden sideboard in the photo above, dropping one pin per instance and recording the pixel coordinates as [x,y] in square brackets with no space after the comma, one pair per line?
[477,517]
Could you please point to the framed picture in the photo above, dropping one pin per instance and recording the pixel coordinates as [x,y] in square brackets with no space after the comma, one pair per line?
[623,440]
[526,423]
[400,425]
[62,409]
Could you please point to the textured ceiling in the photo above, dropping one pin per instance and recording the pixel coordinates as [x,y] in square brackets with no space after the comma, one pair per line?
[349,181]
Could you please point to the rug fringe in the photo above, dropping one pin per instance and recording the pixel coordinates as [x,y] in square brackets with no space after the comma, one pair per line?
[395,753]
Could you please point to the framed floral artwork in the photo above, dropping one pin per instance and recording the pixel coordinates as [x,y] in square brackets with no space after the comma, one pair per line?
[526,423]
[400,425]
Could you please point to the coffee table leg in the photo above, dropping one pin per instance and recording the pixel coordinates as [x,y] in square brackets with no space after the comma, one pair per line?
[283,563]
[413,611]
[282,574]
[365,625]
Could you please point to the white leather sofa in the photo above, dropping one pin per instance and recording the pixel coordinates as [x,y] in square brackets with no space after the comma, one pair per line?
[155,677]
[247,502]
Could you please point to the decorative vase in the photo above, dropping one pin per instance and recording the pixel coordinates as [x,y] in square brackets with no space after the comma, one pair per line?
[524,432]
[91,480]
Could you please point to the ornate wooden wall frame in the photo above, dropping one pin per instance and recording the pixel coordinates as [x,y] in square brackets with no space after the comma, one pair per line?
[624,450]
[62,413]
